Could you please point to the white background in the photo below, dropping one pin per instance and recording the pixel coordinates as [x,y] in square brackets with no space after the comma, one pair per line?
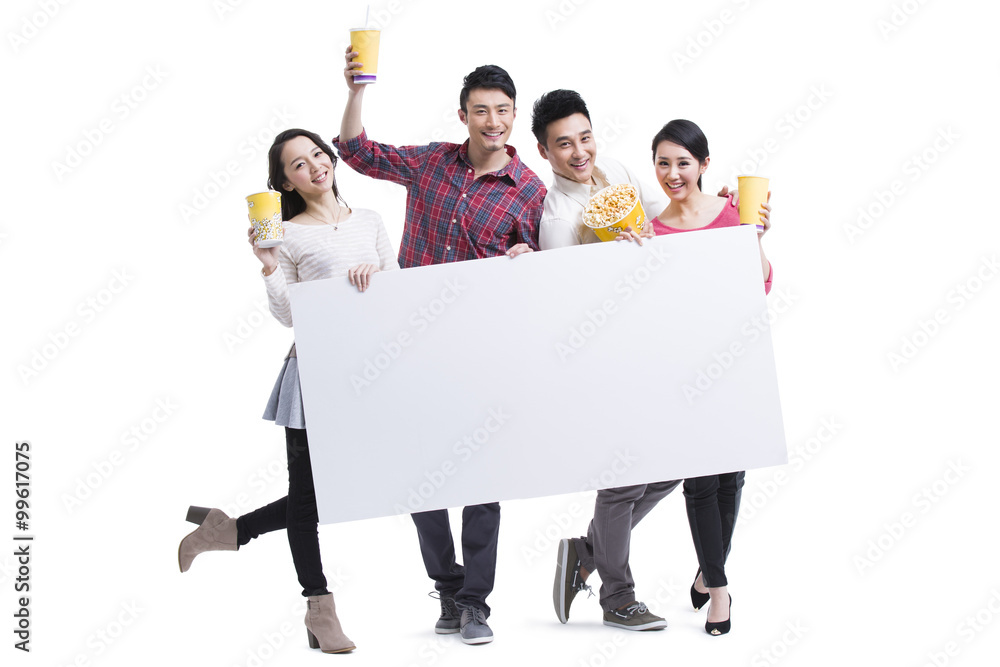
[192,287]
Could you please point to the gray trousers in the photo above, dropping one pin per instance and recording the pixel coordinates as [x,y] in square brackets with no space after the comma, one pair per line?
[606,548]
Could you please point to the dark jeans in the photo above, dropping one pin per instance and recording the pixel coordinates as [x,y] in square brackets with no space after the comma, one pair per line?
[472,582]
[296,514]
[713,503]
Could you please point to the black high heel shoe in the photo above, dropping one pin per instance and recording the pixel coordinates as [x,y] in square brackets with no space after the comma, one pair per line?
[722,627]
[698,600]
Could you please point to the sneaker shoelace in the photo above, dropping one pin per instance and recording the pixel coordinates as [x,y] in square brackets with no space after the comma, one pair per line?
[477,615]
[637,608]
[578,584]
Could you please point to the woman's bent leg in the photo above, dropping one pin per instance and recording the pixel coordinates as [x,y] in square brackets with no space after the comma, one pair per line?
[262,520]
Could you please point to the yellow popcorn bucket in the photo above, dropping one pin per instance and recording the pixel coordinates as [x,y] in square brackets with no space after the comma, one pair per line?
[612,210]
[264,211]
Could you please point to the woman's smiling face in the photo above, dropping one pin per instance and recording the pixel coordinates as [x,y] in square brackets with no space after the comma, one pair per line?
[308,169]
[677,170]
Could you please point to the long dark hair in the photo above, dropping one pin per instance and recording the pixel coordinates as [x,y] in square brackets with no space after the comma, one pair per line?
[292,202]
[687,134]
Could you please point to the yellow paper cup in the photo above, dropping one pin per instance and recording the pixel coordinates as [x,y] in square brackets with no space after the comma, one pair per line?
[753,193]
[264,210]
[613,209]
[365,42]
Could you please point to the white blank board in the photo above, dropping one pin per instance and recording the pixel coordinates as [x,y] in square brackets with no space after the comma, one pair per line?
[588,367]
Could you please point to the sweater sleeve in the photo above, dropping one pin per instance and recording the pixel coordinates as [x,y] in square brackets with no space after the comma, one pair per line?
[276,285]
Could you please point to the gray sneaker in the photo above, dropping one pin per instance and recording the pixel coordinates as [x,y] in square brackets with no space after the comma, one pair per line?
[450,618]
[634,617]
[568,581]
[474,627]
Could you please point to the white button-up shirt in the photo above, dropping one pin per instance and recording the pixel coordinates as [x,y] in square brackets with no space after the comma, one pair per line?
[562,216]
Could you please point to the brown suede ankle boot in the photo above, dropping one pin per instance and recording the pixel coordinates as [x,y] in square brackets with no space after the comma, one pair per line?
[323,626]
[216,532]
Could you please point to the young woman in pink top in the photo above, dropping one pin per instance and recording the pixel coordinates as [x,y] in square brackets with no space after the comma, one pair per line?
[680,154]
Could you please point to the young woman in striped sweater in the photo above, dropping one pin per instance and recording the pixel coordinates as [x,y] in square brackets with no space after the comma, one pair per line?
[323,238]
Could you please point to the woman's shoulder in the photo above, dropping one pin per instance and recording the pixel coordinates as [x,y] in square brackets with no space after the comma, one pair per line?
[729,214]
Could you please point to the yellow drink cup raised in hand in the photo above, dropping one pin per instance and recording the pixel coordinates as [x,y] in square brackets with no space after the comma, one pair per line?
[365,42]
[753,193]
[264,211]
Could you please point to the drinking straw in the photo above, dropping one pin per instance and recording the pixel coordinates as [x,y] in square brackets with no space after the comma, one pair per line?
[368,13]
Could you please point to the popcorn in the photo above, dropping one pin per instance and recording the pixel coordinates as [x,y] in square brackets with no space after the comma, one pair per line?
[610,205]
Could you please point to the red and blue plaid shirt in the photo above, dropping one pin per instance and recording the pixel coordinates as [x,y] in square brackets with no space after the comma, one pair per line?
[452,216]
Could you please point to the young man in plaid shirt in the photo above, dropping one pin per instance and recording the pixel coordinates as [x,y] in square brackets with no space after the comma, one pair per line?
[463,201]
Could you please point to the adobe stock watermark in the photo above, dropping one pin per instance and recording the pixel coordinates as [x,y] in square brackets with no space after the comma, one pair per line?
[419,321]
[927,329]
[270,642]
[260,486]
[912,170]
[131,440]
[968,629]
[85,313]
[711,29]
[101,640]
[218,179]
[462,450]
[751,331]
[247,325]
[899,15]
[431,651]
[667,590]
[606,652]
[562,11]
[31,25]
[754,500]
[922,502]
[544,539]
[780,648]
[786,127]
[595,319]
[121,107]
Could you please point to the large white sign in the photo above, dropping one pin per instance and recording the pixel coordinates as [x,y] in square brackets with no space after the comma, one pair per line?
[588,367]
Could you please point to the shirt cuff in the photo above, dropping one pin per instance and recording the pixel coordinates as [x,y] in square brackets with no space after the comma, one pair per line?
[351,146]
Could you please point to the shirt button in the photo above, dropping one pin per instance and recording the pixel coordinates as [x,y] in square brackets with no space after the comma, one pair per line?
[470,171]
[454,220]
[447,247]
[464,195]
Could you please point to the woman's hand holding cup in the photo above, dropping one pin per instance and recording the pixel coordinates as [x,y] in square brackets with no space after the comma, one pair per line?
[267,256]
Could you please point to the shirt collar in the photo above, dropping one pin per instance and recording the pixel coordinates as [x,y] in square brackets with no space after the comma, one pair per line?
[512,170]
[580,192]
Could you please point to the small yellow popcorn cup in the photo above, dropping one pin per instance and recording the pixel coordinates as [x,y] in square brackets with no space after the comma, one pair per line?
[264,211]
[612,210]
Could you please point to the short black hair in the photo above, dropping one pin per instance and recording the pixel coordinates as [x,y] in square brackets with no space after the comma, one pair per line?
[489,77]
[552,106]
[687,134]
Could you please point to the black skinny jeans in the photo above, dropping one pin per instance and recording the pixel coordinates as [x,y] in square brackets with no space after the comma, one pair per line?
[296,513]
[713,503]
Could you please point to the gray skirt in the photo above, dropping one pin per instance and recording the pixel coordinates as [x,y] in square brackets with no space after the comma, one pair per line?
[284,407]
